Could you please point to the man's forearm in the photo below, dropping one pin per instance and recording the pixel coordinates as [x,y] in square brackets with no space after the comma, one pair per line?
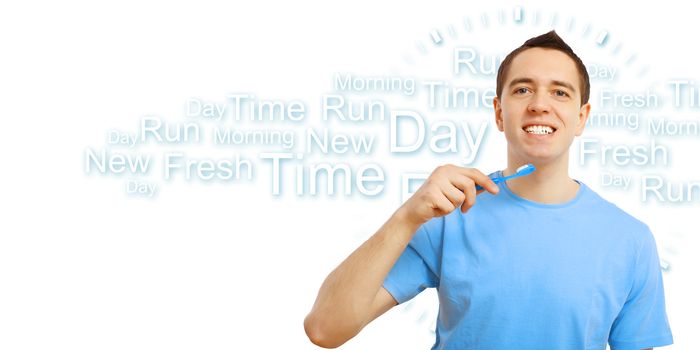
[344,301]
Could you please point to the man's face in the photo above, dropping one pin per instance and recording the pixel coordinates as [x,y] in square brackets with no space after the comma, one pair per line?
[540,108]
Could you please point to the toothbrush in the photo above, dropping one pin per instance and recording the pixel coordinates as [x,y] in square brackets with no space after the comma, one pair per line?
[526,169]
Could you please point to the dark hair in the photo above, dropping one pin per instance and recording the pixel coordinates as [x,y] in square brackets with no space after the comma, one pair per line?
[548,40]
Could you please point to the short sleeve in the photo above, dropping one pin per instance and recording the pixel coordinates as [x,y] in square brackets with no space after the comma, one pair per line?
[642,323]
[417,267]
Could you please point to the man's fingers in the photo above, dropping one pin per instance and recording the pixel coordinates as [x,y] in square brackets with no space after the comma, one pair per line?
[481,179]
[466,178]
[470,198]
[454,194]
[461,188]
[444,206]
[467,186]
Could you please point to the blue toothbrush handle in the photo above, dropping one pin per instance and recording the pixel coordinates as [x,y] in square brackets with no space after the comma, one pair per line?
[522,171]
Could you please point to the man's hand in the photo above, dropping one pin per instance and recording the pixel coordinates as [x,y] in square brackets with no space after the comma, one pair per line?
[448,187]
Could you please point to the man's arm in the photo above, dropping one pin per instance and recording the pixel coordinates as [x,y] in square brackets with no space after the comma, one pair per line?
[352,295]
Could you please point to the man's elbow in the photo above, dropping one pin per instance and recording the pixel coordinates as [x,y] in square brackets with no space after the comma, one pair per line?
[319,335]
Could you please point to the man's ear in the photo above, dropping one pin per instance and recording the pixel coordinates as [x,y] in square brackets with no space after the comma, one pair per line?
[498,112]
[582,118]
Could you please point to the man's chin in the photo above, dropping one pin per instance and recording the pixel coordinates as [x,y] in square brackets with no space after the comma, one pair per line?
[536,155]
[539,159]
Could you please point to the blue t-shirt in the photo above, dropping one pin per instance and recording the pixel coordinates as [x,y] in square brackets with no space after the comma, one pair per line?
[517,274]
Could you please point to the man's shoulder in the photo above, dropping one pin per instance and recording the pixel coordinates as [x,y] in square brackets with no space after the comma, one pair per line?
[610,214]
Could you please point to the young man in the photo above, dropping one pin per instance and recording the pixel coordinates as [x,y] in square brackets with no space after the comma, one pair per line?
[540,262]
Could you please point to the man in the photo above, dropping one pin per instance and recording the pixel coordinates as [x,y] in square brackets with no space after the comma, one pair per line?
[540,262]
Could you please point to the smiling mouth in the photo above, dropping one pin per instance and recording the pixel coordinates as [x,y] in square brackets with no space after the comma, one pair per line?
[539,129]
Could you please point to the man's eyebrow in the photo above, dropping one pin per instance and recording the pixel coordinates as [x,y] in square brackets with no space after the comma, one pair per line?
[564,84]
[517,81]
[531,81]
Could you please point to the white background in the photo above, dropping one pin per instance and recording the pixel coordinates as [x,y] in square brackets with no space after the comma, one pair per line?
[228,266]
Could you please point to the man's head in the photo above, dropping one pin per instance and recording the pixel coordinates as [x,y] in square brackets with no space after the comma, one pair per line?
[542,100]
[552,41]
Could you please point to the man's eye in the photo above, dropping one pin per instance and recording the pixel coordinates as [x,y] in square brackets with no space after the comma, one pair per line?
[561,93]
[521,90]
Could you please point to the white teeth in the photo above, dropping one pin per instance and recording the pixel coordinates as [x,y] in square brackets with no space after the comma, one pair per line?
[539,129]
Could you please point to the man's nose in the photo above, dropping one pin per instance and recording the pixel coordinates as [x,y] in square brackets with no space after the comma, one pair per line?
[539,103]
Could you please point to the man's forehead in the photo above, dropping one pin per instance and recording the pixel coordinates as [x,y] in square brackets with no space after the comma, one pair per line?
[543,66]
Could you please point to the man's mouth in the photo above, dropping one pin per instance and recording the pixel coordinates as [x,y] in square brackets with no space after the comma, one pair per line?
[539,129]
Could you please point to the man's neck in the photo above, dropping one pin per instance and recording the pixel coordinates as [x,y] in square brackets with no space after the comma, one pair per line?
[549,184]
